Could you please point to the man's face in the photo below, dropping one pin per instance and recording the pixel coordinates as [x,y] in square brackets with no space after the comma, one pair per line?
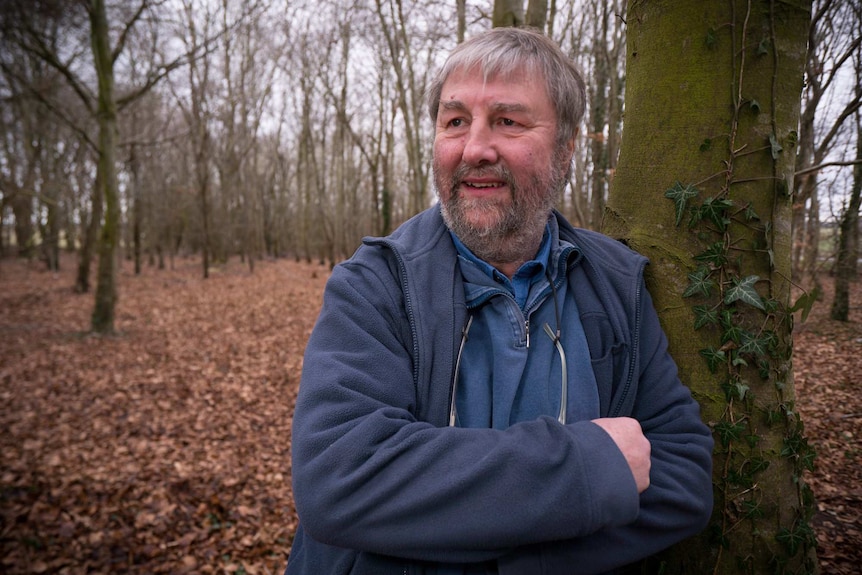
[497,166]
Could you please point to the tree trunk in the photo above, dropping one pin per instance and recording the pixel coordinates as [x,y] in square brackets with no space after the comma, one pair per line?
[598,117]
[102,320]
[90,237]
[137,208]
[848,247]
[703,188]
[22,208]
[537,14]
[508,13]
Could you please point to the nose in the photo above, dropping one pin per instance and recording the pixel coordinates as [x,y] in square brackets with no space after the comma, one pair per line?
[480,146]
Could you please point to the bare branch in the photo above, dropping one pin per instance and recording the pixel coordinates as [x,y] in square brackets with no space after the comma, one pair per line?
[819,167]
[40,97]
[50,57]
[121,43]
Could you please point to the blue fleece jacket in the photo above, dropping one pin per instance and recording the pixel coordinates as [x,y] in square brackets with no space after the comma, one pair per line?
[382,485]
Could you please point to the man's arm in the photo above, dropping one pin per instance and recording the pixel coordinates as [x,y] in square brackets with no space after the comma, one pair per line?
[678,502]
[369,476]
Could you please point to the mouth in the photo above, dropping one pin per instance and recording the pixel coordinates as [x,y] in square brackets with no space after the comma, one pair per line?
[484,185]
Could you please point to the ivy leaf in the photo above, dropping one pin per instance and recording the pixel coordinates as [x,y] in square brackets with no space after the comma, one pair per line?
[728,431]
[699,283]
[750,214]
[743,290]
[763,47]
[805,302]
[715,210]
[703,315]
[680,195]
[752,509]
[714,358]
[754,345]
[763,369]
[714,255]
[734,333]
[758,464]
[735,390]
[727,317]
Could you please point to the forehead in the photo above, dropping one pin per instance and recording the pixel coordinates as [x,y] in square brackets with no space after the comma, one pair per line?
[522,82]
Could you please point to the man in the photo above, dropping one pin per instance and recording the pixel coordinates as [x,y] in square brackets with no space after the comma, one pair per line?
[488,389]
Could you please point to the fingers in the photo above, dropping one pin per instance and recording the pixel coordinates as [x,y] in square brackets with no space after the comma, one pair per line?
[635,447]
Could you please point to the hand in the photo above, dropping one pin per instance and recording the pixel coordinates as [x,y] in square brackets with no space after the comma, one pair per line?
[629,437]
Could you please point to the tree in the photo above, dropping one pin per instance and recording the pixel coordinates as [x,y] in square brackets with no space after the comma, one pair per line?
[703,188]
[848,238]
[99,102]
[832,44]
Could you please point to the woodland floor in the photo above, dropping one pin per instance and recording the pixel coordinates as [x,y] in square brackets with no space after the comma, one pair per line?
[165,448]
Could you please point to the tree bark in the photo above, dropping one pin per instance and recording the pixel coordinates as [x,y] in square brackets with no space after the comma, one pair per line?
[102,320]
[508,13]
[703,188]
[537,14]
[848,240]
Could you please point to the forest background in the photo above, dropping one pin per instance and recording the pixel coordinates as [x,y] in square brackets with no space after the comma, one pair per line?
[261,130]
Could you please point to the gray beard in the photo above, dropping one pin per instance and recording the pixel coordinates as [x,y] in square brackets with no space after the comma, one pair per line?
[519,225]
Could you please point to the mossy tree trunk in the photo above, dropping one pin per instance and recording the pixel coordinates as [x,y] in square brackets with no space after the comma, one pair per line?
[703,188]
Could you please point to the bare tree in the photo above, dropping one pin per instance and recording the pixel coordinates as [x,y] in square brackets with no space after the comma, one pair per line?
[832,41]
[848,238]
[94,88]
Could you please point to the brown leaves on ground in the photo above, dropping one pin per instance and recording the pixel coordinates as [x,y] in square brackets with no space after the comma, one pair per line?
[828,369]
[165,448]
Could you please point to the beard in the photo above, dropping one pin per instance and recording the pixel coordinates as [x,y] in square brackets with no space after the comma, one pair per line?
[501,230]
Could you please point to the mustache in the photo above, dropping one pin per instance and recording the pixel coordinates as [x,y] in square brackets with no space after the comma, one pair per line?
[497,171]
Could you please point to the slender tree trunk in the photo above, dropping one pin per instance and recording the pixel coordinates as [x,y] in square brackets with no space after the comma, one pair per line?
[106,288]
[137,209]
[703,188]
[848,240]
[22,207]
[599,117]
[537,14]
[461,16]
[90,237]
[508,13]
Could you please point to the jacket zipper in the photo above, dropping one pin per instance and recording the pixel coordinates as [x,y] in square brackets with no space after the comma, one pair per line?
[635,344]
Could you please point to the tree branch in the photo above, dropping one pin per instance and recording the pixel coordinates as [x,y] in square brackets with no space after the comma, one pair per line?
[819,167]
[121,43]
[49,105]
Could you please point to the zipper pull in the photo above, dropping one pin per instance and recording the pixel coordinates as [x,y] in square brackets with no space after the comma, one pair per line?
[527,329]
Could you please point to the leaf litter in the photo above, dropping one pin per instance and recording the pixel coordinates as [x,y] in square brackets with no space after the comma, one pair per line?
[165,448]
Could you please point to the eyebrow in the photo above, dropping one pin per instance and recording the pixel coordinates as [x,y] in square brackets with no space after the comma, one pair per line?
[499,107]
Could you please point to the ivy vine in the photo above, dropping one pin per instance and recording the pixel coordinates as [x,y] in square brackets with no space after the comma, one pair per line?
[751,323]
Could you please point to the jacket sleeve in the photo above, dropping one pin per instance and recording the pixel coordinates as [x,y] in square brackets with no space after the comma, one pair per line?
[367,475]
[678,502]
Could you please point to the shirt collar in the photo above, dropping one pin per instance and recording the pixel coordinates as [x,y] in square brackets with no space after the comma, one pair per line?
[528,274]
[534,267]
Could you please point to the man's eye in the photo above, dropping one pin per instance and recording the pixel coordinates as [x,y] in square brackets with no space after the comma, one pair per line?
[507,122]
[456,122]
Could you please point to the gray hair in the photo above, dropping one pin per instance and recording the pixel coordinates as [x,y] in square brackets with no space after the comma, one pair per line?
[501,52]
